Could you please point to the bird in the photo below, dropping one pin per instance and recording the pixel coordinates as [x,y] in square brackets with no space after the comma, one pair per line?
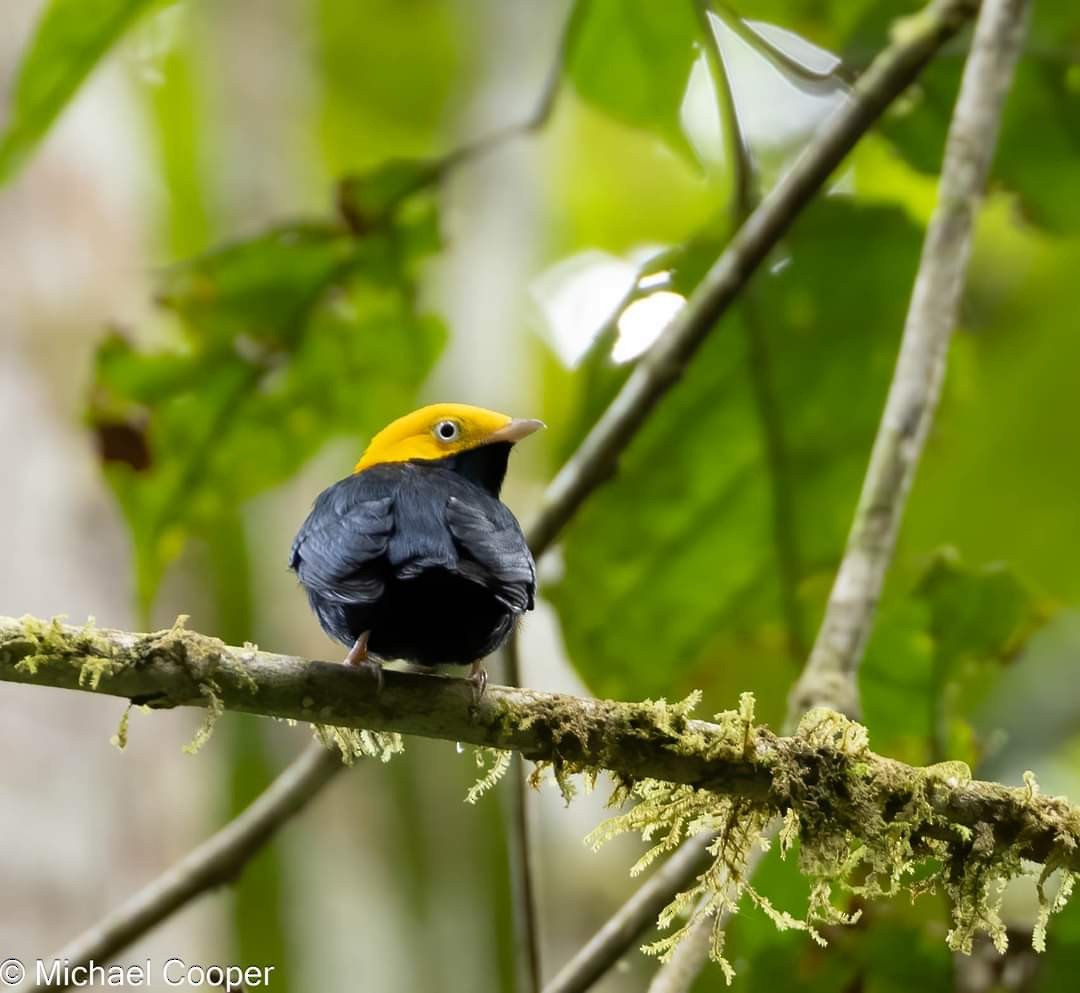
[413,556]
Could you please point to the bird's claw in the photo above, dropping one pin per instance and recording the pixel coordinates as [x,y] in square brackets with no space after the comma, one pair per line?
[374,668]
[358,658]
[478,677]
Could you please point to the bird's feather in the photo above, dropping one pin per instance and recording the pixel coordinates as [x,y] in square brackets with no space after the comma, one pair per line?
[397,521]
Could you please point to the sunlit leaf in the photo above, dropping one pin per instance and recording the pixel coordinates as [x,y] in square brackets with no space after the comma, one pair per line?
[633,59]
[70,39]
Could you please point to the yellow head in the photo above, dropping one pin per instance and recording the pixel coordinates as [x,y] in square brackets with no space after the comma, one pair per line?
[441,430]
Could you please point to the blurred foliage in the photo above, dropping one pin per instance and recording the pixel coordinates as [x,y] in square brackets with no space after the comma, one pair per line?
[633,57]
[706,561]
[682,546]
[285,340]
[1036,163]
[70,38]
[387,71]
[937,655]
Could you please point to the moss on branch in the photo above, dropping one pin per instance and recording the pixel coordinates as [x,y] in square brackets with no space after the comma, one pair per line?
[865,822]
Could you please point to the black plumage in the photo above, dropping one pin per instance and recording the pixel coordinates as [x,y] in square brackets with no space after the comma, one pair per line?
[421,554]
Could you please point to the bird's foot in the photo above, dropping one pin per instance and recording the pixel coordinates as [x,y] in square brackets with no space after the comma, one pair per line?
[374,668]
[358,657]
[478,678]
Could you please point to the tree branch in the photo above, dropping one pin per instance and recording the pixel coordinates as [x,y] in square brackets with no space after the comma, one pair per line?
[830,674]
[625,926]
[218,860]
[821,771]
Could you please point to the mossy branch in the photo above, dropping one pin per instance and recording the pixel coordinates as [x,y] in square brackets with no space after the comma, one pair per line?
[824,772]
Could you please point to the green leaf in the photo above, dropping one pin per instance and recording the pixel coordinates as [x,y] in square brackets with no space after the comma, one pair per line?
[671,569]
[367,199]
[1035,163]
[632,58]
[285,340]
[70,39]
[936,655]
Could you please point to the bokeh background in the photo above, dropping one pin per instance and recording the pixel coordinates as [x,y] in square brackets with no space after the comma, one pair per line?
[193,343]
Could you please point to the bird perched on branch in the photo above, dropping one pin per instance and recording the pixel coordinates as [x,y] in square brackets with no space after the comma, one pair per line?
[413,556]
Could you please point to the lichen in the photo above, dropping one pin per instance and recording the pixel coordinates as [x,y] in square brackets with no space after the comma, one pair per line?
[120,739]
[215,707]
[865,826]
[354,743]
[500,763]
[43,643]
[570,733]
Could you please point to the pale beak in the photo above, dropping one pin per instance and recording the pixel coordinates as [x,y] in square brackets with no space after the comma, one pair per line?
[517,429]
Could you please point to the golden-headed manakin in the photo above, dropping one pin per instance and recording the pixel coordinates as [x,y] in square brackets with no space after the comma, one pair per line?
[414,556]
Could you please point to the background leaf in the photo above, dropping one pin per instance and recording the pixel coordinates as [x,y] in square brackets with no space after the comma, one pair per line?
[633,59]
[936,656]
[285,341]
[681,545]
[1040,134]
[70,39]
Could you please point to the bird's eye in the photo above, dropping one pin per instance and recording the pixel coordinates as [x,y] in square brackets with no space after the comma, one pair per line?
[447,430]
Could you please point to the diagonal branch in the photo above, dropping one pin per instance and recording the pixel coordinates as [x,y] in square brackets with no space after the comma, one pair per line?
[639,912]
[830,674]
[219,859]
[887,77]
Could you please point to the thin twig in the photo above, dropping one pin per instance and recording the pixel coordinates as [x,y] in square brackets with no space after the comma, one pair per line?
[538,116]
[218,860]
[830,674]
[744,186]
[526,909]
[639,912]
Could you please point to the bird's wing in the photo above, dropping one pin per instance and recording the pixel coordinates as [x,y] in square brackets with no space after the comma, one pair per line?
[339,552]
[492,550]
